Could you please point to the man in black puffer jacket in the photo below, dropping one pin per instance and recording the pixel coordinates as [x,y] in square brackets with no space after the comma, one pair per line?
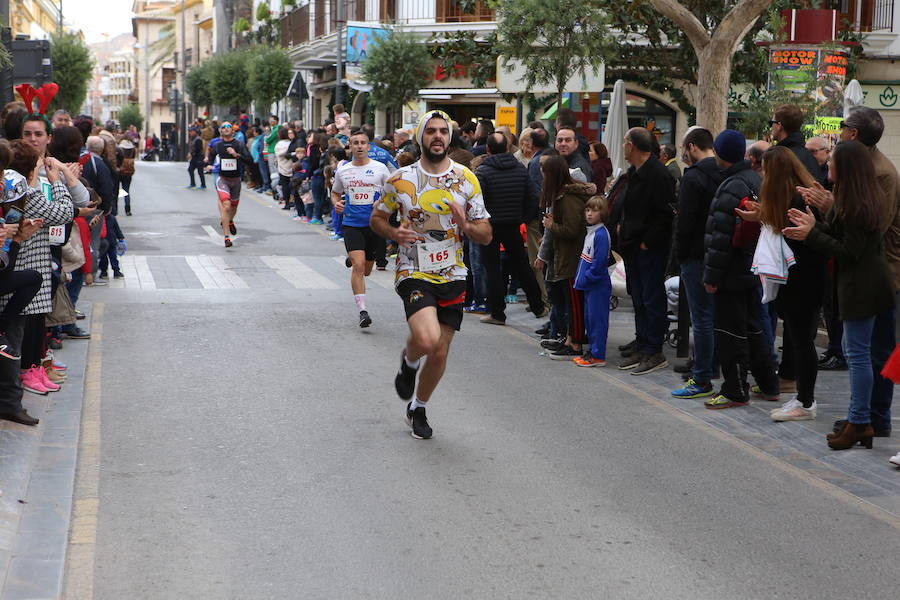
[510,200]
[730,243]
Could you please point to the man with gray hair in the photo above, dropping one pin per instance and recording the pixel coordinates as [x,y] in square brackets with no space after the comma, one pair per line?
[818,147]
[645,237]
[668,156]
[755,153]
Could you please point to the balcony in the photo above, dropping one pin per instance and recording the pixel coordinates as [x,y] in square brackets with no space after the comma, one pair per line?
[868,16]
[317,18]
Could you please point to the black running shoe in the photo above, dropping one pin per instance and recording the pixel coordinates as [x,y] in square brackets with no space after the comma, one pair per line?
[364,319]
[232,228]
[7,350]
[418,422]
[405,381]
[228,243]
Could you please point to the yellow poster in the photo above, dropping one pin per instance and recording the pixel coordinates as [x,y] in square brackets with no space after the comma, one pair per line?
[506,115]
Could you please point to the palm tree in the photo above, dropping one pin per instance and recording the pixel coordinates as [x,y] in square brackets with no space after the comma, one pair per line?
[162,50]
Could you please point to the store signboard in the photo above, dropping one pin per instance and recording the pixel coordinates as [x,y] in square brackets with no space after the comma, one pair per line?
[882,96]
[511,79]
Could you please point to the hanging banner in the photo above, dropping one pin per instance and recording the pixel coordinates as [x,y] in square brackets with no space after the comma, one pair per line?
[813,71]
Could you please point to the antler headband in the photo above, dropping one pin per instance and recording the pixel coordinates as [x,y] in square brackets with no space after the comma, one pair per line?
[45,94]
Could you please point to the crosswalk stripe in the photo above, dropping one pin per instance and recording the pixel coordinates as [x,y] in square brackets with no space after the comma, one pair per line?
[298,274]
[213,273]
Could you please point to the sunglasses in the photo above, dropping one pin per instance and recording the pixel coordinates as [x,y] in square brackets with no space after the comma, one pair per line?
[773,122]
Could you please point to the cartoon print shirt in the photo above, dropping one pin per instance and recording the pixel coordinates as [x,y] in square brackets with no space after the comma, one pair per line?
[422,202]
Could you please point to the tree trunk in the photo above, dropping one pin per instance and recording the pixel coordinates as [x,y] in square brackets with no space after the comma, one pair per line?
[713,83]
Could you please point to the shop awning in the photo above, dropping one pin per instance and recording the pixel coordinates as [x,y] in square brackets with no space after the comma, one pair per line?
[550,113]
[297,88]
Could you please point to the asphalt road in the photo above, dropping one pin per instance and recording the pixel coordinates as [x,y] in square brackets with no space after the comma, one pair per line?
[252,446]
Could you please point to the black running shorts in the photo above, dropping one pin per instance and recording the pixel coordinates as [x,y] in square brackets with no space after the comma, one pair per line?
[361,238]
[448,298]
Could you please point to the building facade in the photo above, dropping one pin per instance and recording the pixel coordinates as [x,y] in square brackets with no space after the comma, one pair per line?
[153,27]
[37,19]
[195,38]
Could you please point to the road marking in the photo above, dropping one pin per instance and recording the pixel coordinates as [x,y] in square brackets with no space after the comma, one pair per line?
[214,274]
[870,509]
[78,583]
[299,275]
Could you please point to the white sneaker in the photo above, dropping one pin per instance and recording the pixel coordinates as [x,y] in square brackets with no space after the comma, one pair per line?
[794,413]
[895,460]
[793,403]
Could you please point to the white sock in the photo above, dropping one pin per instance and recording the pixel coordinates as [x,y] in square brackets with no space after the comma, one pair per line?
[416,404]
[360,300]
[411,364]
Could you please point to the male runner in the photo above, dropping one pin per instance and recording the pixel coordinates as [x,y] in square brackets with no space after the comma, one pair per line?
[357,186]
[438,201]
[231,154]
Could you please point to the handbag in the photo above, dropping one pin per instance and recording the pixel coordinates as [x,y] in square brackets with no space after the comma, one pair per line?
[63,312]
[73,251]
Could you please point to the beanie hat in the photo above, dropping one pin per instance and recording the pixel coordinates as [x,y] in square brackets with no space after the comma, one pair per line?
[730,146]
[431,114]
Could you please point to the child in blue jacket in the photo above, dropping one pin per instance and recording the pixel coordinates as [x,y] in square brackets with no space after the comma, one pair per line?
[593,279]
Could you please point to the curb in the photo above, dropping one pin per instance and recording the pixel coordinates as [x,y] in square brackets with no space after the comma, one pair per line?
[37,466]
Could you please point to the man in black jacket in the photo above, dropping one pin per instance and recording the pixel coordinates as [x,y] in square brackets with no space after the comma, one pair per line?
[698,186]
[730,244]
[510,200]
[786,125]
[645,236]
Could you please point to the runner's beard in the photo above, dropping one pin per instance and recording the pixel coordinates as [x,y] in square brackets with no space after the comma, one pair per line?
[432,157]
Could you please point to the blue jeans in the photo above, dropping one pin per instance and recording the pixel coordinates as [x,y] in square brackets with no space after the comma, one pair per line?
[646,275]
[264,173]
[74,286]
[317,187]
[479,274]
[883,342]
[702,311]
[858,353]
[769,322]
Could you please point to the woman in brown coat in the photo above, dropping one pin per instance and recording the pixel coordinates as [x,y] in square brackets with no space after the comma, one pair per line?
[564,222]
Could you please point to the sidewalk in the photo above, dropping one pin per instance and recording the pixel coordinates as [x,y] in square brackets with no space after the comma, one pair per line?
[863,473]
[37,473]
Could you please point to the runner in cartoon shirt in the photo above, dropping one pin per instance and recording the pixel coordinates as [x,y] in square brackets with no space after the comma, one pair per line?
[357,186]
[438,202]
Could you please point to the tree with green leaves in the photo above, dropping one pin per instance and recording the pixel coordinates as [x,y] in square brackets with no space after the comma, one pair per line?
[552,40]
[270,75]
[197,84]
[476,51]
[73,67]
[397,66]
[228,75]
[129,115]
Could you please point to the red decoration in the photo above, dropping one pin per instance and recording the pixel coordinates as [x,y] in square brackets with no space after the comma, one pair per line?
[45,95]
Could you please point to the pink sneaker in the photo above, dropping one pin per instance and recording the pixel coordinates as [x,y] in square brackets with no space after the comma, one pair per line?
[32,383]
[46,380]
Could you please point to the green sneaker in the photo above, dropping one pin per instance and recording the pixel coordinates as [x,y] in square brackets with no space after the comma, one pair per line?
[692,390]
[719,402]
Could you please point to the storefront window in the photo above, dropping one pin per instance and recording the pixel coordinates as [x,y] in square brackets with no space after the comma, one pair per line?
[646,112]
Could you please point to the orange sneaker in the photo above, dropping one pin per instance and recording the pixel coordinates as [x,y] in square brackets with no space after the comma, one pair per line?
[589,361]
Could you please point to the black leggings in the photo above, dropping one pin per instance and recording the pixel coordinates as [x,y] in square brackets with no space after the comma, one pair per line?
[798,305]
[33,340]
[285,182]
[23,285]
